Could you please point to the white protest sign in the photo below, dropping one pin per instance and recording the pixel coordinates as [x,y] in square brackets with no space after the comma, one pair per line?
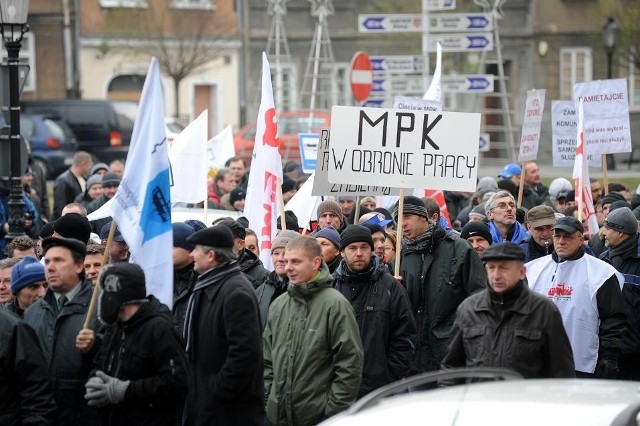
[321,185]
[416,104]
[404,149]
[564,127]
[530,139]
[606,115]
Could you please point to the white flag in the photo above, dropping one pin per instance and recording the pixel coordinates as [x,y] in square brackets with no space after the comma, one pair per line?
[434,92]
[220,148]
[304,205]
[584,198]
[142,207]
[189,162]
[266,168]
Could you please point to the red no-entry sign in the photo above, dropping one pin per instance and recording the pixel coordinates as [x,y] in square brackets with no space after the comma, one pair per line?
[361,76]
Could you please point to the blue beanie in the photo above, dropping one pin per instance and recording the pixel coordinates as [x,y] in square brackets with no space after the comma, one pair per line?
[330,234]
[26,272]
[182,231]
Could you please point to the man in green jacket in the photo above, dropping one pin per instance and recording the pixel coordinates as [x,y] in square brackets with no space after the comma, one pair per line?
[313,354]
[439,271]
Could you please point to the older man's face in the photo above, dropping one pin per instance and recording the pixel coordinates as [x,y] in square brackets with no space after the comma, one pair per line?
[503,211]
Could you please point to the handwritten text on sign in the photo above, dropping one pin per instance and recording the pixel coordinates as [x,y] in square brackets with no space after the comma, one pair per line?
[564,130]
[404,149]
[606,115]
[530,139]
[321,185]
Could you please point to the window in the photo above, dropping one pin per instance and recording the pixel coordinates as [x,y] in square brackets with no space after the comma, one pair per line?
[286,99]
[27,57]
[124,3]
[575,67]
[192,4]
[634,85]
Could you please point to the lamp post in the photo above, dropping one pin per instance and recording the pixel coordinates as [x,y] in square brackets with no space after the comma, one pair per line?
[609,36]
[13,25]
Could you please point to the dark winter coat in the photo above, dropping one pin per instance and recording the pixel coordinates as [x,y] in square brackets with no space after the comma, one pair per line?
[224,349]
[183,281]
[252,267]
[147,351]
[272,288]
[68,368]
[65,190]
[386,323]
[626,259]
[98,224]
[437,281]
[522,331]
[25,395]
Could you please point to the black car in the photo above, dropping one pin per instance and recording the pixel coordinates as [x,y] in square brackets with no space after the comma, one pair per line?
[102,127]
[52,142]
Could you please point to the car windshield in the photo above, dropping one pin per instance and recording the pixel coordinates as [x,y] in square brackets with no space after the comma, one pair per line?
[58,128]
[126,112]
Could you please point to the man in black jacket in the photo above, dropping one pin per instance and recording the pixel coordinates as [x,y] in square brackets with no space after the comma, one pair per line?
[249,263]
[142,366]
[222,337]
[381,305]
[25,395]
[507,325]
[184,277]
[58,320]
[623,253]
[71,182]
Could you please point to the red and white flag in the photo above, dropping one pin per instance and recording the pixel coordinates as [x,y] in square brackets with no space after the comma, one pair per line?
[438,196]
[584,199]
[266,168]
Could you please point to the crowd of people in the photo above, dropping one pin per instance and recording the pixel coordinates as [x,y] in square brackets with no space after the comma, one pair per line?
[492,285]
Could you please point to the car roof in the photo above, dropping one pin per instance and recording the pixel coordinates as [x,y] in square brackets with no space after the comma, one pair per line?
[522,402]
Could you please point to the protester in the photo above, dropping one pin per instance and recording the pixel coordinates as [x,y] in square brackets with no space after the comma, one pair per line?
[540,221]
[501,211]
[251,242]
[596,190]
[110,184]
[184,277]
[533,182]
[21,247]
[381,305]
[558,190]
[390,247]
[509,326]
[28,285]
[93,262]
[156,369]
[237,166]
[313,355]
[26,397]
[477,235]
[512,172]
[347,204]
[71,182]
[5,280]
[329,240]
[234,201]
[119,249]
[439,270]
[330,214]
[99,169]
[623,253]
[58,319]
[276,282]
[379,237]
[596,242]
[250,265]
[74,208]
[288,188]
[117,167]
[587,293]
[368,202]
[223,183]
[93,190]
[222,337]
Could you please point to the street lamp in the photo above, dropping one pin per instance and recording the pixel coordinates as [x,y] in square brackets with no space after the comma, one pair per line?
[609,35]
[13,25]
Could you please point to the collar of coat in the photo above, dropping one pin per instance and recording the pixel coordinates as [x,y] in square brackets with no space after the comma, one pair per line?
[521,305]
[307,290]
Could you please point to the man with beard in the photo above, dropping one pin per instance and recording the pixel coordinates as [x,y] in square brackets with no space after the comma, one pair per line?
[439,270]
[383,313]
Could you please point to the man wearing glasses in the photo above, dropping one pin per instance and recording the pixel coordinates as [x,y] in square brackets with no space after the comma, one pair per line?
[587,292]
[501,211]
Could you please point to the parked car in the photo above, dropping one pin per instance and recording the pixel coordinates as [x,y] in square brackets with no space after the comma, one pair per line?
[510,401]
[52,142]
[290,124]
[102,127]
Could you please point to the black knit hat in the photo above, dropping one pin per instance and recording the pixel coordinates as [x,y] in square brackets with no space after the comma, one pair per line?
[288,184]
[237,229]
[476,228]
[355,234]
[122,283]
[290,221]
[412,205]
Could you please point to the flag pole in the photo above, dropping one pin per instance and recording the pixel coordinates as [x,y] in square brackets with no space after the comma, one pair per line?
[605,174]
[283,222]
[356,214]
[399,232]
[523,174]
[96,288]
